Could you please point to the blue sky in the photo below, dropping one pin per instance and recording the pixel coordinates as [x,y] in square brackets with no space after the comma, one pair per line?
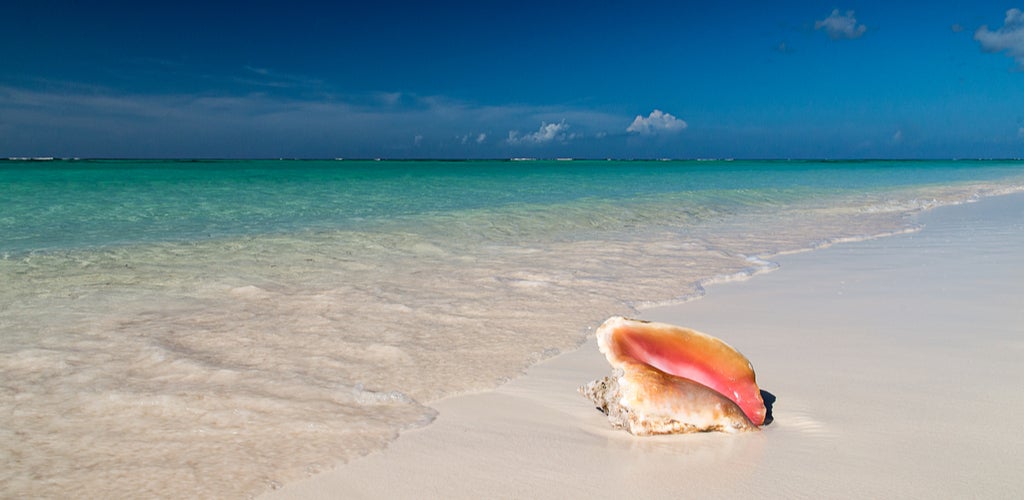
[856,79]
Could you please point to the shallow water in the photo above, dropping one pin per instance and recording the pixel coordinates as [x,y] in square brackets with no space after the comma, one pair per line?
[179,329]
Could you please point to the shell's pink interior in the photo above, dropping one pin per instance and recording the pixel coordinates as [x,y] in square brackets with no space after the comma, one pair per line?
[722,369]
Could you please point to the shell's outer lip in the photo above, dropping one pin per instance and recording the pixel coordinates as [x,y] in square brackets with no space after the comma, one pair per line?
[684,353]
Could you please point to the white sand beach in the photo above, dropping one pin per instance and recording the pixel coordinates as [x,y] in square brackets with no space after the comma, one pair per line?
[895,363]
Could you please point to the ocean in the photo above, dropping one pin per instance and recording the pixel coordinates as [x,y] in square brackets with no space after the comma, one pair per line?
[216,328]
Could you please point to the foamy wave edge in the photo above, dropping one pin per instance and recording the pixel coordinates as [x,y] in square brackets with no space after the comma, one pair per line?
[761,264]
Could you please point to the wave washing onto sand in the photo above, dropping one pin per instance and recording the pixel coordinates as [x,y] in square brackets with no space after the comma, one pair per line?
[226,367]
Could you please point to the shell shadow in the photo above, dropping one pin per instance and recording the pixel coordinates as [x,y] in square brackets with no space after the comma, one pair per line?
[769,401]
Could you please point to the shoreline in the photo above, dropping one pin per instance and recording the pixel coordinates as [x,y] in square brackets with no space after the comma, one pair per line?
[862,343]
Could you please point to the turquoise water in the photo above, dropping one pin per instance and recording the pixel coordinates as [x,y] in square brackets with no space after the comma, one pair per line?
[82,204]
[214,328]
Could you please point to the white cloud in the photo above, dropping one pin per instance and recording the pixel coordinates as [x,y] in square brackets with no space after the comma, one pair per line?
[1008,38]
[479,139]
[897,137]
[656,122]
[839,26]
[1020,132]
[548,132]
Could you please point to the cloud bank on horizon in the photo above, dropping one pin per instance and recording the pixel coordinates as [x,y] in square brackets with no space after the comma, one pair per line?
[548,132]
[661,80]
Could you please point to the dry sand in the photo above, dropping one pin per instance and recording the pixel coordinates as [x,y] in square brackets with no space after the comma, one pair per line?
[896,364]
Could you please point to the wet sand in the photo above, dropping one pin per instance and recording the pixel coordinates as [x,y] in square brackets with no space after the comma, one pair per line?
[895,363]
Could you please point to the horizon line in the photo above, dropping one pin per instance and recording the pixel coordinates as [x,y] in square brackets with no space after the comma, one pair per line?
[42,159]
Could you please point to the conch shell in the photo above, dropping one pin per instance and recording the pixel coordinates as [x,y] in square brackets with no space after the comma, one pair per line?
[668,379]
